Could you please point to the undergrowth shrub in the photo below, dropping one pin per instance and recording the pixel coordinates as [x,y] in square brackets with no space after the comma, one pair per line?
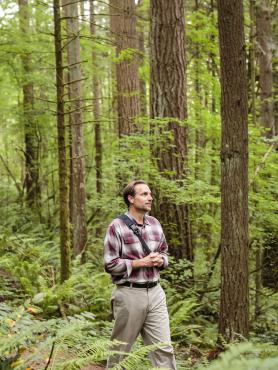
[245,356]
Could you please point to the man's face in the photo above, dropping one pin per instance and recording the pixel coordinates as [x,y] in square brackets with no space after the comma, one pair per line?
[142,200]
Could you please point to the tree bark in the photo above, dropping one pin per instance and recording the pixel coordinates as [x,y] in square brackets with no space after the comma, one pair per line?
[96,106]
[252,61]
[267,119]
[234,302]
[265,43]
[82,10]
[79,222]
[63,173]
[199,132]
[141,24]
[31,180]
[142,82]
[252,64]
[168,100]
[123,29]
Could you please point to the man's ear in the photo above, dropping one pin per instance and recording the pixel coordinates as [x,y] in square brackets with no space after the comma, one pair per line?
[130,199]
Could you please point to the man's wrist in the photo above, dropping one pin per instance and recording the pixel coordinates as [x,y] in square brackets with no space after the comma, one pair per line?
[137,263]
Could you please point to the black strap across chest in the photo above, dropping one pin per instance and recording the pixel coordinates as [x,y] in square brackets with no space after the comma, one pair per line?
[132,225]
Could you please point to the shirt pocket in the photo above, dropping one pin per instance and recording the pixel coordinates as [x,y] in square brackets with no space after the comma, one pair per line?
[130,239]
[131,246]
[154,240]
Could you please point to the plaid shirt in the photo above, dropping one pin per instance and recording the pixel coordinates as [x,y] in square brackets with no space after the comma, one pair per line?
[121,246]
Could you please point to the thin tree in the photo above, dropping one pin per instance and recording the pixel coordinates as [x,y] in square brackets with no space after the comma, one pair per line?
[62,155]
[265,45]
[252,73]
[267,260]
[142,50]
[78,207]
[199,132]
[31,152]
[96,105]
[234,302]
[168,100]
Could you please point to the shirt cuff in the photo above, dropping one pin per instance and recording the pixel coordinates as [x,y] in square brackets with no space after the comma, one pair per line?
[128,267]
[165,262]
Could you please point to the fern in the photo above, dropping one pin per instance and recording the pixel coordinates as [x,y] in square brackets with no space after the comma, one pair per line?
[136,359]
[246,356]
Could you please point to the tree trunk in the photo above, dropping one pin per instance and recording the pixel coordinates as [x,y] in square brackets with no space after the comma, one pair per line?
[63,175]
[168,100]
[267,120]
[123,29]
[214,172]
[199,132]
[265,65]
[252,64]
[96,106]
[31,152]
[252,61]
[142,53]
[82,10]
[79,222]
[258,280]
[234,302]
[142,82]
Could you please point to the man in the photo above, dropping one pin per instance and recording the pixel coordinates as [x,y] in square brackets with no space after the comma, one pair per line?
[138,301]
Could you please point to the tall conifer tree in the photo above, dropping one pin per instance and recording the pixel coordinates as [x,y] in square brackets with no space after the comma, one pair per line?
[123,30]
[234,302]
[168,100]
[78,190]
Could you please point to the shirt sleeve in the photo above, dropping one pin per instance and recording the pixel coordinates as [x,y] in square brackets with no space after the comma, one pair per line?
[113,263]
[163,249]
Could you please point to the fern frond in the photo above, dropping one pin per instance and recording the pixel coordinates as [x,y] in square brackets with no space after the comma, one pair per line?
[134,360]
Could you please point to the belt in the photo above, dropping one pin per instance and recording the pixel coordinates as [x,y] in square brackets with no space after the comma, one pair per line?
[148,284]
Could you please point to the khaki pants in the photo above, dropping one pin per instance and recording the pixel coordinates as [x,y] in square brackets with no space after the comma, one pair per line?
[142,311]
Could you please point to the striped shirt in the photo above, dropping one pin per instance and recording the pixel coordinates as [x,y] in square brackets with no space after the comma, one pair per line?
[121,246]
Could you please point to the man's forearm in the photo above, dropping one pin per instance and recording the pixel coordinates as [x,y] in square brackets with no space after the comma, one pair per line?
[152,260]
[136,264]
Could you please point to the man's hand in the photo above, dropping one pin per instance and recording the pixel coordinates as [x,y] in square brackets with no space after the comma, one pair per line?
[157,259]
[151,260]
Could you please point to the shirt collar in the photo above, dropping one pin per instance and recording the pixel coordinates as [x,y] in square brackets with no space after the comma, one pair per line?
[146,222]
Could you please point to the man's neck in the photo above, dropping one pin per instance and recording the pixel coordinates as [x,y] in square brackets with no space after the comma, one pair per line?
[137,216]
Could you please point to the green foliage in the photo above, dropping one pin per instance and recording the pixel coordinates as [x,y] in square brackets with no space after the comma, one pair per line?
[33,338]
[30,259]
[76,315]
[86,290]
[137,359]
[246,356]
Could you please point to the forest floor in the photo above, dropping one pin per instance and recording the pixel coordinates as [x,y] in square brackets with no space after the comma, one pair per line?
[43,362]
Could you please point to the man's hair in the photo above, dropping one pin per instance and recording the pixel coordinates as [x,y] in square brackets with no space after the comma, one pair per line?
[130,190]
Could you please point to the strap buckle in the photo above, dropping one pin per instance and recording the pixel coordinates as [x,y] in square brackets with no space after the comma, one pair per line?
[135,229]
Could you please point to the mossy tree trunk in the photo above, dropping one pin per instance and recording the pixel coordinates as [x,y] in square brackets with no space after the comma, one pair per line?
[96,105]
[78,217]
[62,154]
[31,137]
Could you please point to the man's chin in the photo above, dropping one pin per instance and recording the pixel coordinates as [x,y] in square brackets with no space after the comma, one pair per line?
[144,209]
